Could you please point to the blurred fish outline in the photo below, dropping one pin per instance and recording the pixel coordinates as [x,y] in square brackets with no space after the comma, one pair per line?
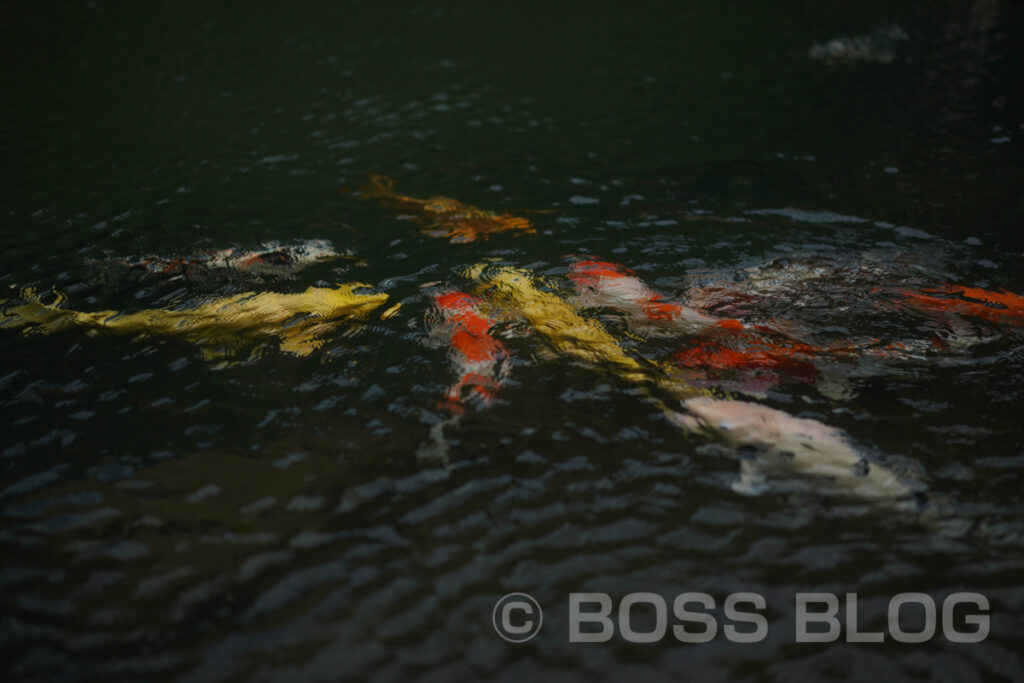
[272,259]
[881,46]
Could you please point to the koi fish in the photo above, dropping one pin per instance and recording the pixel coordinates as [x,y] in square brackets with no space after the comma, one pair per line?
[299,320]
[443,216]
[603,283]
[827,283]
[513,292]
[479,358]
[272,258]
[724,344]
[783,444]
[793,445]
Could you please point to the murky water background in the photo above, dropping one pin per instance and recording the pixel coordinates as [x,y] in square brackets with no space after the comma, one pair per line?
[269,519]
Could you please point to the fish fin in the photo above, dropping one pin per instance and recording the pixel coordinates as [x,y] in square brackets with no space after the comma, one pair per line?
[752,480]
[436,448]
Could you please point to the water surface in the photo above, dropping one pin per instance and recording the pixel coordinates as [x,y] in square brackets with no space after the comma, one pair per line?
[266,516]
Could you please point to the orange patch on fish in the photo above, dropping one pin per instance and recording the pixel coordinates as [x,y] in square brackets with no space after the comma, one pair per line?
[731,324]
[746,352]
[471,336]
[591,273]
[996,307]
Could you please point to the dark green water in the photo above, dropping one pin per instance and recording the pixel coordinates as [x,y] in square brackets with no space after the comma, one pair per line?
[165,517]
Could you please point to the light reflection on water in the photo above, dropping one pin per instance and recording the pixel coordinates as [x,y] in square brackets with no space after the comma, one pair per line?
[270,518]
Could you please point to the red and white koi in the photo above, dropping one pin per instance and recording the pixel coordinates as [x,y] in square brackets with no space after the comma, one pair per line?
[604,283]
[480,359]
[720,344]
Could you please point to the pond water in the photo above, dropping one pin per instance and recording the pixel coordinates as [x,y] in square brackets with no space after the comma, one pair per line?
[272,498]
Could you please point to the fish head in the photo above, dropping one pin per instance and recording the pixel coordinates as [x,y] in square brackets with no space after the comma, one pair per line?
[735,422]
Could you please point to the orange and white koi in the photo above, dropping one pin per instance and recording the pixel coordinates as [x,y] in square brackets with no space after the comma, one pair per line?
[480,359]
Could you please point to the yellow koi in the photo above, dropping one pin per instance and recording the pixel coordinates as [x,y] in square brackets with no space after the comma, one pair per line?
[298,320]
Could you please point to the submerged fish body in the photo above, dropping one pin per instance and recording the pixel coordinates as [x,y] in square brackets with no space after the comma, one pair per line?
[298,320]
[445,217]
[271,258]
[878,46]
[972,302]
[793,446]
[800,296]
[480,360]
[762,355]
